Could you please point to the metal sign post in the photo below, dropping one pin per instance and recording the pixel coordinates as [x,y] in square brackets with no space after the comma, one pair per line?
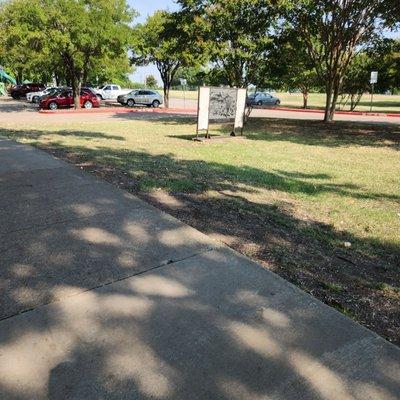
[183,84]
[373,80]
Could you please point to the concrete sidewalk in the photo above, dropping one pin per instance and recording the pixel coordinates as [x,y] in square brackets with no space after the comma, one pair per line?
[103,296]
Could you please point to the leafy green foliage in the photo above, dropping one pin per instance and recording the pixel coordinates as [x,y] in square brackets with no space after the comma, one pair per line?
[151,82]
[333,30]
[73,40]
[166,41]
[386,60]
[236,34]
[289,66]
[85,33]
[20,42]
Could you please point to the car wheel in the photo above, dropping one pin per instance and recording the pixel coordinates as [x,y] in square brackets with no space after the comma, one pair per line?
[277,102]
[156,104]
[35,99]
[53,105]
[130,103]
[100,97]
[259,103]
[88,104]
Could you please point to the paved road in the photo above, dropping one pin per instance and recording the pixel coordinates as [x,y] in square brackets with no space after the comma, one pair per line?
[103,296]
[10,110]
[277,113]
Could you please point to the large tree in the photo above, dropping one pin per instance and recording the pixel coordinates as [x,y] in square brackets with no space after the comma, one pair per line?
[237,33]
[288,66]
[20,41]
[356,80]
[383,57]
[386,60]
[166,40]
[333,31]
[70,40]
[83,33]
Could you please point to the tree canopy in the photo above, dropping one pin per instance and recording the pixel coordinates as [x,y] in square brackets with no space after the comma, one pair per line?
[235,34]
[333,31]
[165,40]
[75,40]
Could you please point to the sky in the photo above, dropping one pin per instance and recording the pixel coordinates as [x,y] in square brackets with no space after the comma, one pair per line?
[146,8]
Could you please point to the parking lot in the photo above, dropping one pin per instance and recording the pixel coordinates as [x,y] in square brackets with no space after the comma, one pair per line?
[25,112]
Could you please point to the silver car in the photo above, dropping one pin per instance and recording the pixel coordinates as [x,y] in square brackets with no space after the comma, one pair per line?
[144,97]
[263,99]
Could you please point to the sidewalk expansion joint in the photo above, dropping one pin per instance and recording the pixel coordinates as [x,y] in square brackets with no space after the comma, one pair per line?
[159,266]
[44,226]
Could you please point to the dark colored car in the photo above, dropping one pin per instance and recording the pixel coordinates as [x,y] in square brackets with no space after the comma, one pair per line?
[64,99]
[19,91]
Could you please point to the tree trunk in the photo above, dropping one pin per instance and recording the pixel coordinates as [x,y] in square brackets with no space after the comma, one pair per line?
[76,90]
[352,103]
[334,99]
[305,100]
[332,94]
[166,94]
[18,77]
[328,116]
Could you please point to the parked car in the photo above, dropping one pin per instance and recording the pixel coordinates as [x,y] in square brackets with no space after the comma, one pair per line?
[34,97]
[64,98]
[19,91]
[141,97]
[110,92]
[262,99]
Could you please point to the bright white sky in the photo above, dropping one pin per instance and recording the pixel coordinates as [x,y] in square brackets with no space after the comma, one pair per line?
[148,7]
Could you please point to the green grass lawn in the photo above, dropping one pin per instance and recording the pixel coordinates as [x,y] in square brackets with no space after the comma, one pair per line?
[319,204]
[382,103]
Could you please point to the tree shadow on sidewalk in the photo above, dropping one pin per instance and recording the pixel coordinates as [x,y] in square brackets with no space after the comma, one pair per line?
[170,333]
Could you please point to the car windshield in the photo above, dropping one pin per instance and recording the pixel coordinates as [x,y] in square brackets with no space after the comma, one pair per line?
[65,93]
[56,91]
[88,91]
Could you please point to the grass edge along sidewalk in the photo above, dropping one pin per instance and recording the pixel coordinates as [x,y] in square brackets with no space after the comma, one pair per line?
[107,314]
[285,196]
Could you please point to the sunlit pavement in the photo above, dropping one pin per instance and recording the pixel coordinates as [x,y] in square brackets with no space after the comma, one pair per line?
[102,296]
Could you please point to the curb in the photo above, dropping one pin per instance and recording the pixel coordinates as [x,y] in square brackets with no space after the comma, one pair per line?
[113,110]
[362,113]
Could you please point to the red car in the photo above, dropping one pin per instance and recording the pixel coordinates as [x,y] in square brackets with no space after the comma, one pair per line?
[64,99]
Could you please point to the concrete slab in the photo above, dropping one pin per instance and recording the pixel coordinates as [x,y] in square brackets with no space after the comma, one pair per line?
[215,326]
[68,198]
[105,297]
[63,232]
[17,157]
